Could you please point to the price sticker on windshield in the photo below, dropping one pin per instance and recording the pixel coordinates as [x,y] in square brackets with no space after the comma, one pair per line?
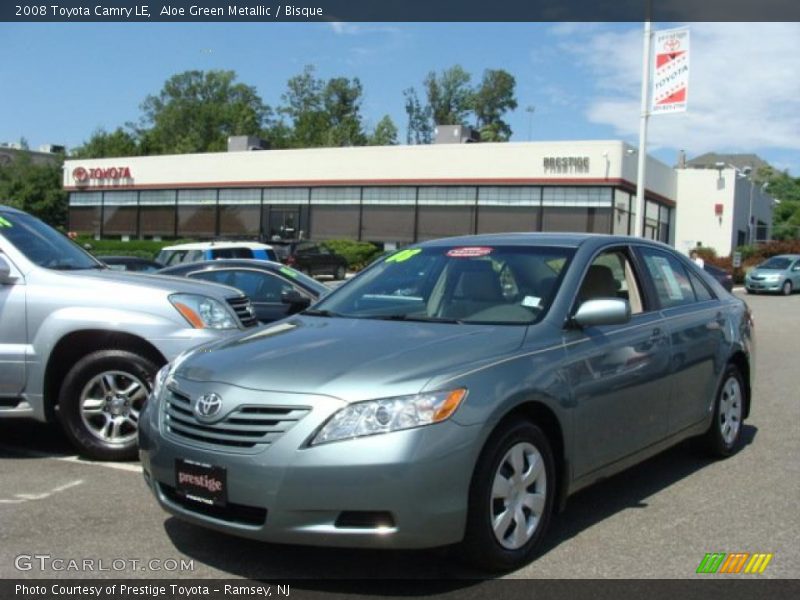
[469,252]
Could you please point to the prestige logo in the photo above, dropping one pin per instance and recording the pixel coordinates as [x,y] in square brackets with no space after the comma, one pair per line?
[84,175]
[211,484]
[566,164]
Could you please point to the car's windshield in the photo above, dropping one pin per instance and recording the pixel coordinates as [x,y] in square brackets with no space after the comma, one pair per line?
[775,263]
[475,284]
[43,245]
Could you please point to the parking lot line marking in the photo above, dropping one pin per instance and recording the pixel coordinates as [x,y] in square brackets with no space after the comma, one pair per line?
[133,468]
[21,498]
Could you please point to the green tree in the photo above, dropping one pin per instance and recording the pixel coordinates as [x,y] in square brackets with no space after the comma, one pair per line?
[303,104]
[196,111]
[323,113]
[342,104]
[492,99]
[786,189]
[449,96]
[103,144]
[35,188]
[385,133]
[420,127]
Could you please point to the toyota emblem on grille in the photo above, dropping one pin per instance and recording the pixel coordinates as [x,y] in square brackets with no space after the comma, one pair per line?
[208,406]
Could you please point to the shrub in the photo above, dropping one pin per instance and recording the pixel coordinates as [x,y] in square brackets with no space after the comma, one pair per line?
[140,248]
[357,254]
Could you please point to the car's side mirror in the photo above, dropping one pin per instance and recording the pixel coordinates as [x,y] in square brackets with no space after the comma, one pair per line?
[295,300]
[603,311]
[5,272]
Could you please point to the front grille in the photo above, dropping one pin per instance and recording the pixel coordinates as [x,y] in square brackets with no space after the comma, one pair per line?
[233,513]
[244,310]
[247,427]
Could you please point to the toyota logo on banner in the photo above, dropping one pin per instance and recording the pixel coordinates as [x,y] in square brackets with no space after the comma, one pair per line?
[80,174]
[208,406]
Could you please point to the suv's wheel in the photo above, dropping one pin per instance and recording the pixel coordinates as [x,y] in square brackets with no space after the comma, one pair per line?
[787,288]
[511,498]
[725,432]
[100,401]
[339,273]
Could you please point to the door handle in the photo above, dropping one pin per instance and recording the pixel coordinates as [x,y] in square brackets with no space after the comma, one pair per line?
[717,323]
[656,335]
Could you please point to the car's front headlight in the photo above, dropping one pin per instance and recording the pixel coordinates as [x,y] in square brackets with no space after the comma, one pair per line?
[203,312]
[160,380]
[389,414]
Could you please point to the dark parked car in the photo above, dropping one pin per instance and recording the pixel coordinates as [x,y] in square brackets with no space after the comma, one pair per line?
[314,258]
[130,263]
[275,289]
[462,407]
[725,279]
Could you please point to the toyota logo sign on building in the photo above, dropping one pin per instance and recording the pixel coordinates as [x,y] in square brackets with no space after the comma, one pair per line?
[82,175]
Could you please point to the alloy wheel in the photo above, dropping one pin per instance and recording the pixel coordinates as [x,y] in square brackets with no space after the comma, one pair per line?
[110,404]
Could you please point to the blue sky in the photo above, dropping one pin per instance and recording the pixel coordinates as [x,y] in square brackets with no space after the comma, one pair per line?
[62,81]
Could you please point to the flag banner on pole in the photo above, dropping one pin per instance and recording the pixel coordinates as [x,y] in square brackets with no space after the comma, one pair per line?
[670,81]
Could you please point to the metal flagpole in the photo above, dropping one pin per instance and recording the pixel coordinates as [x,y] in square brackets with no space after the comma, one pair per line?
[641,168]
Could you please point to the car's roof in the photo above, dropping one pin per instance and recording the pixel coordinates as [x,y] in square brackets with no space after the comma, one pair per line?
[6,208]
[221,244]
[532,239]
[789,256]
[225,263]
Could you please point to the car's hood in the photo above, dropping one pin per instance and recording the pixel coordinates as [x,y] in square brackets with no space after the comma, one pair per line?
[169,284]
[351,359]
[763,271]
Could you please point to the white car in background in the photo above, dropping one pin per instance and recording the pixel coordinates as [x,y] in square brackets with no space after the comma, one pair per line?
[197,251]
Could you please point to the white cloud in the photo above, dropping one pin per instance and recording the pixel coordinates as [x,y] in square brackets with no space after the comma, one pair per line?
[744,92]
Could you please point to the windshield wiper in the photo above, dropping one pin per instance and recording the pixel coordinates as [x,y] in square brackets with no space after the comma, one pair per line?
[415,319]
[317,312]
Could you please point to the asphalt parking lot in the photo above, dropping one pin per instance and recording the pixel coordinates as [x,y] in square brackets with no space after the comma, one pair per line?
[656,520]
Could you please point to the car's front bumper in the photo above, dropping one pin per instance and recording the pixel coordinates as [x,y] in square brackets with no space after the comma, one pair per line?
[763,286]
[420,477]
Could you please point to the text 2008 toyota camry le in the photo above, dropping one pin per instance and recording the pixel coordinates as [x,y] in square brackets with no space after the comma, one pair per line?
[454,393]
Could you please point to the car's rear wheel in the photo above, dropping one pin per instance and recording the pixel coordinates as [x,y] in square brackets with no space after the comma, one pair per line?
[339,273]
[787,288]
[100,402]
[511,498]
[724,435]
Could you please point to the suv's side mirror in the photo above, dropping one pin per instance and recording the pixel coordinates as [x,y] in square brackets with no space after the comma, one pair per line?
[603,311]
[295,300]
[5,272]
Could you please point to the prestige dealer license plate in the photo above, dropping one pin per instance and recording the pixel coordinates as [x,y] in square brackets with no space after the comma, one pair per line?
[201,482]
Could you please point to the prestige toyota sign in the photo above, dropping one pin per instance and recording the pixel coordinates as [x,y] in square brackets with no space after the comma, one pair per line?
[84,176]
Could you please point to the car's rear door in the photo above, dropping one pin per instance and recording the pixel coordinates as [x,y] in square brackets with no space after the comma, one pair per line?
[694,319]
[619,374]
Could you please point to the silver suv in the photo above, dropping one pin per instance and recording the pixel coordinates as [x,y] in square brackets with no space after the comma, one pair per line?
[82,343]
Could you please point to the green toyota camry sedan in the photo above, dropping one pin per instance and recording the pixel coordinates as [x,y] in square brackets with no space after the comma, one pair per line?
[456,392]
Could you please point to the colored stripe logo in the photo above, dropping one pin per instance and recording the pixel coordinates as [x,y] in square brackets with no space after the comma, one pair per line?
[734,563]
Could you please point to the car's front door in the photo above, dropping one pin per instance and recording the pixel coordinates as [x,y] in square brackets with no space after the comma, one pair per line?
[13,332]
[694,320]
[619,374]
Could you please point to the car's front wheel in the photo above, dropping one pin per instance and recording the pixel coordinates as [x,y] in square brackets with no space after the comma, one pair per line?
[100,402]
[339,273]
[511,498]
[725,433]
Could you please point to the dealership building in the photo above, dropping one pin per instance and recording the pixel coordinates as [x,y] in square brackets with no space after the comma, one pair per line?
[390,195]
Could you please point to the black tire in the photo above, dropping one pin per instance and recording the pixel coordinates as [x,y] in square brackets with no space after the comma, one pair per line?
[786,288]
[715,442]
[69,404]
[339,273]
[481,547]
